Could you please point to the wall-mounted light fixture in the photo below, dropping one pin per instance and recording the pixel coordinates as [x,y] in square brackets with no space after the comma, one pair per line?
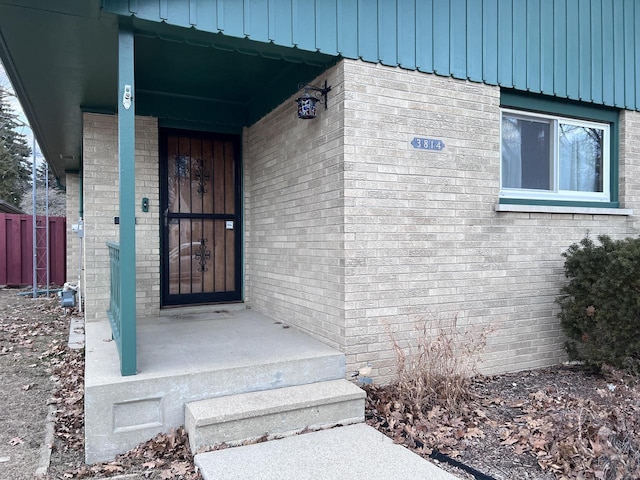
[311,96]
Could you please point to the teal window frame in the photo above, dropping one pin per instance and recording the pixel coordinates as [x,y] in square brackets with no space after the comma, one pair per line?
[531,103]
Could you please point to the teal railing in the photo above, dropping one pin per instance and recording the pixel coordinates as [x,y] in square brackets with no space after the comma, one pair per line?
[114,313]
[115,317]
[122,315]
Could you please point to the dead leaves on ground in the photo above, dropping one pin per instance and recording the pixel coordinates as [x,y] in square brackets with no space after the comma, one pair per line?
[573,424]
[167,456]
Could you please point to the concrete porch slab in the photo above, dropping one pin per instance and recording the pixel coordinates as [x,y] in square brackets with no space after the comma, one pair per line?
[354,451]
[187,358]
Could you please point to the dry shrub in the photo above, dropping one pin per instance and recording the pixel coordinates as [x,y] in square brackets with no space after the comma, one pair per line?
[437,365]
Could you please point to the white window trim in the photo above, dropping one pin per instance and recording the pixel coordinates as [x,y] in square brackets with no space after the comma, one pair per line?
[557,194]
[506,207]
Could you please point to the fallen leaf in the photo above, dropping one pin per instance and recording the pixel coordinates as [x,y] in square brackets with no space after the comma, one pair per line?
[520,449]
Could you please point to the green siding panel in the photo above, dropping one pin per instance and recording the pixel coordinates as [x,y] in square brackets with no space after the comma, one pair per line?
[573,49]
[560,49]
[280,22]
[629,54]
[637,49]
[618,53]
[424,36]
[256,23]
[505,43]
[441,37]
[584,27]
[458,36]
[387,33]
[596,51]
[232,18]
[533,45]
[348,28]
[607,53]
[474,40]
[326,26]
[407,54]
[490,41]
[546,47]
[578,49]
[304,26]
[207,15]
[367,31]
[519,49]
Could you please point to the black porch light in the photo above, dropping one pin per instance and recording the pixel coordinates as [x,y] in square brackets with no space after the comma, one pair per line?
[307,101]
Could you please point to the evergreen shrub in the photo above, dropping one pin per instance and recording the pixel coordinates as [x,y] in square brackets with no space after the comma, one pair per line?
[600,305]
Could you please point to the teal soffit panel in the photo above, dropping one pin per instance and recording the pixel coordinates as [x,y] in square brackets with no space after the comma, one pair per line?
[576,49]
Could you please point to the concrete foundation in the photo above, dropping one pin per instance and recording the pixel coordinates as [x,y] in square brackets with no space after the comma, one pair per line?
[186,358]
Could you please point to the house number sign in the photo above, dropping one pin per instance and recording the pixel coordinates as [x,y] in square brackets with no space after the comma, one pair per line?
[427,144]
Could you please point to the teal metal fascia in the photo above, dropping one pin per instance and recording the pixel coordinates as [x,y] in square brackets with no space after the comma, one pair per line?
[581,50]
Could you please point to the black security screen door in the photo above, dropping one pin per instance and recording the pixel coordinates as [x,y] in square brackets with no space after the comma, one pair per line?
[200,218]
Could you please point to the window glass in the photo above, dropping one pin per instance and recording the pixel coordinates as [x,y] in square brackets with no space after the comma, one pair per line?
[526,153]
[554,158]
[581,158]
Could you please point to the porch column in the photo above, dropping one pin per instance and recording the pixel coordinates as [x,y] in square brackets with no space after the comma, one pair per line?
[126,159]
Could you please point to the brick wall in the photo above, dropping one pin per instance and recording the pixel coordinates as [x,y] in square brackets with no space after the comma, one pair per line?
[630,164]
[351,233]
[148,223]
[72,198]
[422,238]
[294,228]
[101,205]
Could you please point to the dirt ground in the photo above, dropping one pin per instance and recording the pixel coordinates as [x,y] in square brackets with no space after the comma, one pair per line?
[555,423]
[38,370]
[28,331]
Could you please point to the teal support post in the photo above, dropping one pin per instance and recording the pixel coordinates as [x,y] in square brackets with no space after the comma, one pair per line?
[126,156]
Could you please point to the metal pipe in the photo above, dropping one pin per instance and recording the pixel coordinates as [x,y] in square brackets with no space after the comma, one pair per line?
[46,215]
[33,218]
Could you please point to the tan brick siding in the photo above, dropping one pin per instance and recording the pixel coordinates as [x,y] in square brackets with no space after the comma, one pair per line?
[630,164]
[294,225]
[350,232]
[101,205]
[422,238]
[72,197]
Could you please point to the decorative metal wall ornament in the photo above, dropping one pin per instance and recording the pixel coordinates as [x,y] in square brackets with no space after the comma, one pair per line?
[202,255]
[307,102]
[202,176]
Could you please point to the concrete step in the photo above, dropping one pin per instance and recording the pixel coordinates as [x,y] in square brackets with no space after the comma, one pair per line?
[351,452]
[275,413]
[220,354]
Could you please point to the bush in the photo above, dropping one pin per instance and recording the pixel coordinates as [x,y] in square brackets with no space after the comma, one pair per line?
[600,306]
[436,366]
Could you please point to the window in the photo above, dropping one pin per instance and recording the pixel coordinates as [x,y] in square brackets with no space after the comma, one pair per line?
[558,152]
[554,158]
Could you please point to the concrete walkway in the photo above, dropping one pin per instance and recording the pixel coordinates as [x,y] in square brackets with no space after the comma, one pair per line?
[352,452]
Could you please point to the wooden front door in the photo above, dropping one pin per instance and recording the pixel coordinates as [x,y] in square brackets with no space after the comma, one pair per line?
[201,218]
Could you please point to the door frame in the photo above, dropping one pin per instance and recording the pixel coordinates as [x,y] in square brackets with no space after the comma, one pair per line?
[197,298]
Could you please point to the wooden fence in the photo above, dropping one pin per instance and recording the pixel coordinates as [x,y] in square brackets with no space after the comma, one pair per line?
[16,250]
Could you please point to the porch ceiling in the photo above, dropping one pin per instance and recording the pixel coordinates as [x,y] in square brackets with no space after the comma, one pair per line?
[62,58]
